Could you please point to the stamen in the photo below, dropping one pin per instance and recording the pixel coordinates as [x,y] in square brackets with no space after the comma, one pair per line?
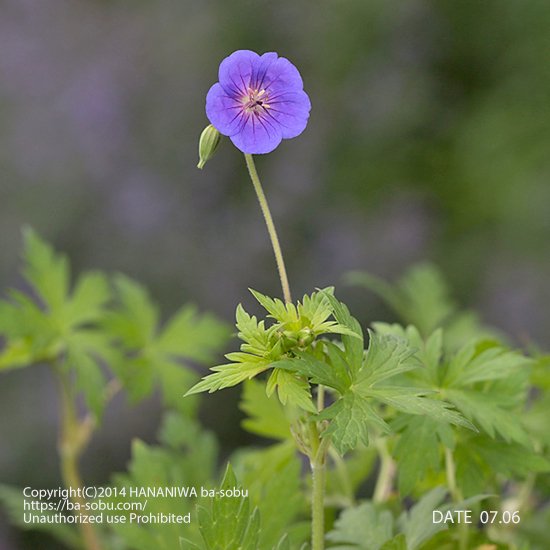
[255,101]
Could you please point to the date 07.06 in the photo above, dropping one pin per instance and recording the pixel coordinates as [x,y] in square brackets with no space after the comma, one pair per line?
[467,516]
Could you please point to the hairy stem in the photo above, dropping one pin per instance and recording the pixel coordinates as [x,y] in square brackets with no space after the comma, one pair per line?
[74,436]
[450,471]
[318,455]
[456,494]
[270,226]
[384,481]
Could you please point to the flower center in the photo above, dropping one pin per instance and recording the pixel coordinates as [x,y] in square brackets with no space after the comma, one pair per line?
[255,101]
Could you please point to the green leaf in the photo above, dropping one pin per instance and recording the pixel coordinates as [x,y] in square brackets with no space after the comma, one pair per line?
[492,364]
[273,476]
[421,297]
[191,335]
[173,379]
[334,375]
[47,271]
[90,380]
[229,523]
[312,314]
[276,308]
[417,524]
[488,411]
[38,328]
[88,300]
[398,542]
[536,419]
[351,417]
[229,375]
[509,459]
[187,459]
[55,325]
[353,343]
[290,389]
[136,374]
[16,354]
[417,452]
[266,416]
[13,502]
[257,340]
[136,319]
[152,353]
[317,307]
[386,356]
[362,527]
[389,356]
[411,401]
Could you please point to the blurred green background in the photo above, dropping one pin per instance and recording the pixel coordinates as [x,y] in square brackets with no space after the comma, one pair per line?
[429,139]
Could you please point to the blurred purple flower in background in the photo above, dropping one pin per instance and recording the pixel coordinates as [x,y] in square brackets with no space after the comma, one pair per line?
[258,101]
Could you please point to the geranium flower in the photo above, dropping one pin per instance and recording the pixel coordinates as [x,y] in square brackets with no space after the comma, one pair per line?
[258,101]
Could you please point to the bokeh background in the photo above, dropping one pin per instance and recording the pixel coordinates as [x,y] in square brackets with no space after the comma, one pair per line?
[429,139]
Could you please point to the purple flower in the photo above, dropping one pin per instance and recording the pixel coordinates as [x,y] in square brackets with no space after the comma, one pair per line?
[258,101]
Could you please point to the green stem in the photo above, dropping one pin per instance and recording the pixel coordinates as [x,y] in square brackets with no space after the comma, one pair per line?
[450,470]
[74,436]
[456,494]
[318,481]
[320,397]
[270,226]
[384,480]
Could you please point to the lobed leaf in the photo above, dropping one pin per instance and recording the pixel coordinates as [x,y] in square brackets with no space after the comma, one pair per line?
[229,523]
[47,271]
[417,452]
[353,340]
[226,376]
[487,411]
[362,527]
[266,416]
[318,372]
[350,418]
[291,389]
[386,356]
[417,524]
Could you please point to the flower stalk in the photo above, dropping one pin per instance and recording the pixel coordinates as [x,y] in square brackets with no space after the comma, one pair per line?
[270,226]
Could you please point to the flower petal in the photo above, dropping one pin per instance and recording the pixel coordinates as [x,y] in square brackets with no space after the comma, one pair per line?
[282,75]
[259,135]
[237,70]
[223,111]
[291,111]
[261,69]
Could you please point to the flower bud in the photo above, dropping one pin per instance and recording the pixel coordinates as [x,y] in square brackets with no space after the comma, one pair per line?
[208,143]
[305,337]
